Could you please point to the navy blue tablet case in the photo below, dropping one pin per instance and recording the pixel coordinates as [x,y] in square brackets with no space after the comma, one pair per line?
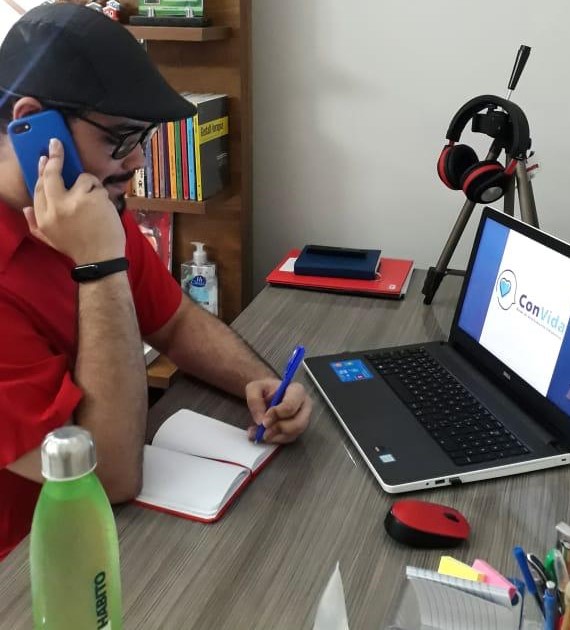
[338,262]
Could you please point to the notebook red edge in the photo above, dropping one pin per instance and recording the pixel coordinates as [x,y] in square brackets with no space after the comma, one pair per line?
[242,486]
[392,281]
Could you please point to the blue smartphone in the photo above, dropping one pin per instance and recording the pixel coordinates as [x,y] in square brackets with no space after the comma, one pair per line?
[30,138]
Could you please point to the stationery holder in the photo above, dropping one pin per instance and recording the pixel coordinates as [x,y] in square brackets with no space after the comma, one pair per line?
[408,616]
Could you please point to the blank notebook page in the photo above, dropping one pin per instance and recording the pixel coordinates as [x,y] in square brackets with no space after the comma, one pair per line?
[193,433]
[193,485]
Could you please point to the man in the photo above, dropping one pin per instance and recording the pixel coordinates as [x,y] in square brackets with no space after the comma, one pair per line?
[71,349]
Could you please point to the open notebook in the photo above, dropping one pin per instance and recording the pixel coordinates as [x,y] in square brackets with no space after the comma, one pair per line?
[196,466]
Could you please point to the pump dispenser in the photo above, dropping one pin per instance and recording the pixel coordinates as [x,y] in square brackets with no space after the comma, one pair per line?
[199,280]
[200,256]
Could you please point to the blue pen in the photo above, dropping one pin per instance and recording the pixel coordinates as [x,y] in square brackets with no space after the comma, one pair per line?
[520,557]
[292,365]
[550,606]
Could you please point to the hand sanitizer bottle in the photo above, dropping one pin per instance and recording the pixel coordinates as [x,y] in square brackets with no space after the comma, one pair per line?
[74,551]
[199,280]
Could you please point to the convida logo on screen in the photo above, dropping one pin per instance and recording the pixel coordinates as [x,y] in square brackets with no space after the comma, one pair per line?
[508,295]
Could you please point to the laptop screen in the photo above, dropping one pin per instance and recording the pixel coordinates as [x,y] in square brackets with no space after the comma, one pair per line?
[516,305]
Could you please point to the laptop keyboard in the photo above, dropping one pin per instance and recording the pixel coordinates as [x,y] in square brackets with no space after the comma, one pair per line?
[465,429]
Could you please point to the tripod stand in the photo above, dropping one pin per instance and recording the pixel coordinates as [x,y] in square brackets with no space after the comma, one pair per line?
[497,125]
[528,214]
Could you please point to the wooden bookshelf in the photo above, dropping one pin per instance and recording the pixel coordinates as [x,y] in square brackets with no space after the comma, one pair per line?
[180,33]
[158,204]
[217,60]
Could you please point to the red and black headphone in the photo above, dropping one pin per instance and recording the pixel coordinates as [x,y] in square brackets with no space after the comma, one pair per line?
[459,167]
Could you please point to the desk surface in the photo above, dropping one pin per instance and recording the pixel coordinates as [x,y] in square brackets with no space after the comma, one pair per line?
[265,564]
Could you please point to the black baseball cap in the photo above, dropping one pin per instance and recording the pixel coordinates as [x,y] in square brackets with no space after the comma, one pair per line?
[72,56]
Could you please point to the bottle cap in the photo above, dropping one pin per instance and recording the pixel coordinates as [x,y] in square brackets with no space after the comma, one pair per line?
[68,453]
[199,257]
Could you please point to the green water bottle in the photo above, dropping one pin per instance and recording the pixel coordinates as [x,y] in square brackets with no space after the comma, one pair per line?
[74,551]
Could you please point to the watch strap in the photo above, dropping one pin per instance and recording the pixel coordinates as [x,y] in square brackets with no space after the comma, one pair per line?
[98,270]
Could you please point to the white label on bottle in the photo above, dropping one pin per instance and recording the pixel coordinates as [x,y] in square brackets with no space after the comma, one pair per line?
[199,290]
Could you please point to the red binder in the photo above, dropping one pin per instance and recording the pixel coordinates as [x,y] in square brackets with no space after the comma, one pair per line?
[392,281]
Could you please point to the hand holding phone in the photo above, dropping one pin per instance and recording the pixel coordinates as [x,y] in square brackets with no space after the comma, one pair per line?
[30,136]
[81,222]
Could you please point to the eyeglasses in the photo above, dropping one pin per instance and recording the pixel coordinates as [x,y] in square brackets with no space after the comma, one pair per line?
[125,142]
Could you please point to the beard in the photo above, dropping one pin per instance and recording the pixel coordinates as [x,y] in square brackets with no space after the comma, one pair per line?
[120,201]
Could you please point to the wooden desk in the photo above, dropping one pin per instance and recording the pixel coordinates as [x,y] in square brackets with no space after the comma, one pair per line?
[265,564]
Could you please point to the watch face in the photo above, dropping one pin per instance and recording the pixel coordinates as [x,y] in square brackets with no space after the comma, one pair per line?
[95,271]
[90,272]
[84,273]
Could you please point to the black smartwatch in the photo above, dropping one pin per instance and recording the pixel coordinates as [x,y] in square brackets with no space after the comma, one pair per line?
[98,270]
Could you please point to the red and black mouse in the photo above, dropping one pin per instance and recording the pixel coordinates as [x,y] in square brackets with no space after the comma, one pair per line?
[427,525]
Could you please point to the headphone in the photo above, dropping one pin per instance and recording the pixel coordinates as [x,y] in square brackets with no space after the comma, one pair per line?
[459,167]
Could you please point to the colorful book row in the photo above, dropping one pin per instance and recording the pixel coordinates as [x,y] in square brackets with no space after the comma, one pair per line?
[188,159]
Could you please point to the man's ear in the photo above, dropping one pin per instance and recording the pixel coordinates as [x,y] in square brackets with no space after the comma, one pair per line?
[25,106]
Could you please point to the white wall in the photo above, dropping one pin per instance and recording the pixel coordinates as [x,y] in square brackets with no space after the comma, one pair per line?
[352,102]
[10,12]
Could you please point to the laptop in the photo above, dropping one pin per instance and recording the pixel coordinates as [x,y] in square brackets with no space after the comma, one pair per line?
[493,400]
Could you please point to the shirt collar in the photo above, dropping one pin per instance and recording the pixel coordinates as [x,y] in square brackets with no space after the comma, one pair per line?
[13,230]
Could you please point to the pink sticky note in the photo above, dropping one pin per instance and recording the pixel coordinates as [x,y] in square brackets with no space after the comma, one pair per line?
[493,577]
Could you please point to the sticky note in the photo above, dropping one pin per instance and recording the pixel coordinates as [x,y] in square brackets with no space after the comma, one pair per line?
[451,566]
[493,577]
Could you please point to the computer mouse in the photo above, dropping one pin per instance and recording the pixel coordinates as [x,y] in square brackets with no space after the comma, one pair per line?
[428,525]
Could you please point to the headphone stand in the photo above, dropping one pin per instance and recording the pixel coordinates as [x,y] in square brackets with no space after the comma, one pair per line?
[527,208]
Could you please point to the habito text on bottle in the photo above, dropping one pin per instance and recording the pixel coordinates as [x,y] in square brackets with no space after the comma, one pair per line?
[74,551]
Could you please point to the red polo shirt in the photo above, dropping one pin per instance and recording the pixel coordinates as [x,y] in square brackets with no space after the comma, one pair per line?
[38,344]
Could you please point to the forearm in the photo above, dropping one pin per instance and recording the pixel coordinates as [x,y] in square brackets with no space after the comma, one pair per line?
[111,372]
[203,346]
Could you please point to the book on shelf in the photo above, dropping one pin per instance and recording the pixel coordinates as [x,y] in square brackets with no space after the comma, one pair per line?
[157,228]
[155,165]
[164,168]
[191,160]
[139,186]
[196,466]
[148,175]
[184,157]
[171,158]
[178,159]
[211,145]
[393,279]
